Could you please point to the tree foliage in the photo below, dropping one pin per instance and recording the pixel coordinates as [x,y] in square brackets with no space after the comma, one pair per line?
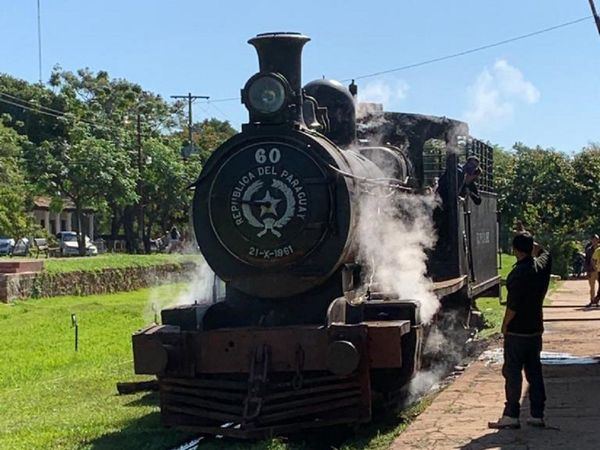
[587,174]
[13,218]
[543,189]
[102,143]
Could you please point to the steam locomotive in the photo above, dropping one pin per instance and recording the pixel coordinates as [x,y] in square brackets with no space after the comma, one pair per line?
[294,340]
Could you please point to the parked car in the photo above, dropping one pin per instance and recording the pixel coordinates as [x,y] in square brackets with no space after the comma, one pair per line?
[21,247]
[68,243]
[6,246]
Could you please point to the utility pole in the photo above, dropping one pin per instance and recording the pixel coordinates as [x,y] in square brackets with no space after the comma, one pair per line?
[190,99]
[595,14]
[39,27]
[140,189]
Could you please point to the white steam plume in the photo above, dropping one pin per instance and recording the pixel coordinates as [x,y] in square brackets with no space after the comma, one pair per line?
[395,232]
[200,288]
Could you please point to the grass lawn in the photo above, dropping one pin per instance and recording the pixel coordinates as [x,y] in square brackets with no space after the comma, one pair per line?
[113,260]
[52,397]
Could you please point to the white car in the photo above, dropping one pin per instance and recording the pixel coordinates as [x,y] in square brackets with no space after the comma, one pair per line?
[69,244]
[6,246]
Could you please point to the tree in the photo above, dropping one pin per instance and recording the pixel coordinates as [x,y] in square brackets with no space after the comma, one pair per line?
[208,135]
[587,174]
[32,109]
[539,187]
[504,168]
[166,178]
[13,218]
[84,169]
[123,114]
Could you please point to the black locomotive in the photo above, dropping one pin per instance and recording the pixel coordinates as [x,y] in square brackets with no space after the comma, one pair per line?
[295,340]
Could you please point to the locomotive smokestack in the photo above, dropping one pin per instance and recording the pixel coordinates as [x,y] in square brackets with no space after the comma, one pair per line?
[282,53]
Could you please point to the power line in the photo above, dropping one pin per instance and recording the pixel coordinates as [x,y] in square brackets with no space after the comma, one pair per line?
[472,50]
[219,111]
[34,109]
[595,14]
[57,114]
[453,55]
[32,103]
[219,100]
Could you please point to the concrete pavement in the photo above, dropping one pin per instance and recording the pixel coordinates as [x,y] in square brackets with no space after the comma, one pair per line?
[458,417]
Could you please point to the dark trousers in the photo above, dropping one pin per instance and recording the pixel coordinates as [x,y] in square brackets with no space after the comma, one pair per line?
[523,352]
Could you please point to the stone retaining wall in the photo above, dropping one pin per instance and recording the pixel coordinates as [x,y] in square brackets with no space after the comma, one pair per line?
[15,286]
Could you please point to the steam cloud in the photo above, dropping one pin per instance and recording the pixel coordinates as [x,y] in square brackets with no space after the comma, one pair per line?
[200,289]
[395,232]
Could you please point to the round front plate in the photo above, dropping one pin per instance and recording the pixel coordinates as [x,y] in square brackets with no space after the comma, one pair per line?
[269,203]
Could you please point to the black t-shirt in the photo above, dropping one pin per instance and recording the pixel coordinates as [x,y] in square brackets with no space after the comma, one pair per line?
[527,285]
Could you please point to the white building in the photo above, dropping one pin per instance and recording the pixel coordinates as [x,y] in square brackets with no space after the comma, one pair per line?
[65,220]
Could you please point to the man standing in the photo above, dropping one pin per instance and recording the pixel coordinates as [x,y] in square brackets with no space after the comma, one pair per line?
[596,268]
[522,328]
[592,269]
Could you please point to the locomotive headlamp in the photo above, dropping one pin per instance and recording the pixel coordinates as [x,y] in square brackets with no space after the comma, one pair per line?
[266,94]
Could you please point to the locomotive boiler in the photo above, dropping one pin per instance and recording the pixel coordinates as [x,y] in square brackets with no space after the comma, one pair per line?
[290,344]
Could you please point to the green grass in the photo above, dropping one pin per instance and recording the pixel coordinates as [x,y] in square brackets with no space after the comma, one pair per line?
[53,397]
[112,260]
[493,311]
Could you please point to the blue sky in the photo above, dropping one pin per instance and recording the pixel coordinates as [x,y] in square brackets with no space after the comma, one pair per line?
[543,90]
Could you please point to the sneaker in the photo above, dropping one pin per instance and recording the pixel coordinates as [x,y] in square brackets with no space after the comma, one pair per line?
[505,422]
[536,422]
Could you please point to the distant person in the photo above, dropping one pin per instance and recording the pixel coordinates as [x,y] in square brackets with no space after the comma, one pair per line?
[596,267]
[468,188]
[522,328]
[174,240]
[592,268]
[466,175]
[578,263]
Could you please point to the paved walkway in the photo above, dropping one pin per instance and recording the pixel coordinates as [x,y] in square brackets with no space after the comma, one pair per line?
[458,417]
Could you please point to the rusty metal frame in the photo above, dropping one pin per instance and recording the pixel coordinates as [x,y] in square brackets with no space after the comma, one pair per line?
[266,381]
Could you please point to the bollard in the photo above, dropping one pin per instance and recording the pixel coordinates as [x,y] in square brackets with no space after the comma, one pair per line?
[155,309]
[76,325]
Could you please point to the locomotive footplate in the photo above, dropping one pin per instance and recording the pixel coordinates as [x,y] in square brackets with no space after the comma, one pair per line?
[255,382]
